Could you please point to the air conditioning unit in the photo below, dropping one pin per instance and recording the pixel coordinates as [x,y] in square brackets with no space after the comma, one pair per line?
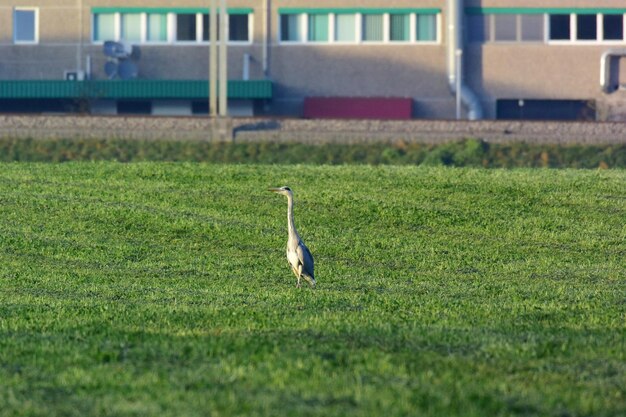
[74,75]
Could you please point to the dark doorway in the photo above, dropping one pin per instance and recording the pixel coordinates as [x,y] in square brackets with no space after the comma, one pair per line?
[522,109]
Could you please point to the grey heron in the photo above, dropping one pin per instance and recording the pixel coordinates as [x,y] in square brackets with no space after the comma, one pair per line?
[298,255]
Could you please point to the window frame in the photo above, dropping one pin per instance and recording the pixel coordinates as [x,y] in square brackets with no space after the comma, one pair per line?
[599,40]
[35,11]
[171,29]
[358,29]
[572,39]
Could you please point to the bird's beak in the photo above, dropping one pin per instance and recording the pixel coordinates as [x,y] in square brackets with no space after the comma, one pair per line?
[274,190]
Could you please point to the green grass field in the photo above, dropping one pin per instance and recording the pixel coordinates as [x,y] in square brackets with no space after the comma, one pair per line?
[163,289]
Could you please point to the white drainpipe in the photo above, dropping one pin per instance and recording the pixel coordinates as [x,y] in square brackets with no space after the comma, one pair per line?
[455,43]
[266,36]
[605,68]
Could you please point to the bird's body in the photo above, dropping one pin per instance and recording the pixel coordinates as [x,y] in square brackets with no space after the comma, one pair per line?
[298,255]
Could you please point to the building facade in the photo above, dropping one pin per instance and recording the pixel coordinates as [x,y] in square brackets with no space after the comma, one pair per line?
[561,59]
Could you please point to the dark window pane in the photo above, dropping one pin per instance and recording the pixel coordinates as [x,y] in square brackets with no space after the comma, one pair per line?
[613,27]
[238,27]
[586,27]
[206,27]
[477,26]
[532,27]
[505,27]
[559,27]
[186,27]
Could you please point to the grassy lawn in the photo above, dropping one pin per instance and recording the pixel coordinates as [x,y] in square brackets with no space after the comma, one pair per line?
[163,289]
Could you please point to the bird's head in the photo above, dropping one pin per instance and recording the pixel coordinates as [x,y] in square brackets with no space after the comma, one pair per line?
[282,190]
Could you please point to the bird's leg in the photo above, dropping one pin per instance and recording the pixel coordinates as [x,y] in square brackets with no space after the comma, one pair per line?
[298,284]
[299,274]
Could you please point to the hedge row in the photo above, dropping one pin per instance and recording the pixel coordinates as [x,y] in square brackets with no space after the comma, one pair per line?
[469,152]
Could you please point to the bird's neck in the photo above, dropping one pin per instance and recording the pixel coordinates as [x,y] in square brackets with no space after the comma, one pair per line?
[290,223]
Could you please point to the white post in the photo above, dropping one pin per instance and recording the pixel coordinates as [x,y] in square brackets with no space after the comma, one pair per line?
[223,70]
[459,60]
[213,59]
[246,67]
[88,67]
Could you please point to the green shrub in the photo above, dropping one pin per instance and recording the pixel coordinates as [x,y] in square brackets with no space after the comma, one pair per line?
[470,152]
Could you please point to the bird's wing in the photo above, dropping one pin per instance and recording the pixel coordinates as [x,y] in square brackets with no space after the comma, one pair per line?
[305,257]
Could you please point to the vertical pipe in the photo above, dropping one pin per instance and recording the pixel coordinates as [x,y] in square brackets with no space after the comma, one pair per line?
[459,59]
[79,46]
[455,42]
[246,67]
[213,59]
[223,70]
[266,36]
[452,40]
[88,67]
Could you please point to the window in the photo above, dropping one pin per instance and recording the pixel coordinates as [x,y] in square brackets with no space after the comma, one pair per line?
[186,27]
[613,27]
[131,27]
[291,27]
[25,22]
[164,27]
[478,28]
[399,27]
[104,27]
[345,28]
[239,28]
[426,29]
[350,26]
[505,27]
[157,28]
[372,28]
[559,27]
[586,27]
[318,28]
[578,26]
[531,27]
